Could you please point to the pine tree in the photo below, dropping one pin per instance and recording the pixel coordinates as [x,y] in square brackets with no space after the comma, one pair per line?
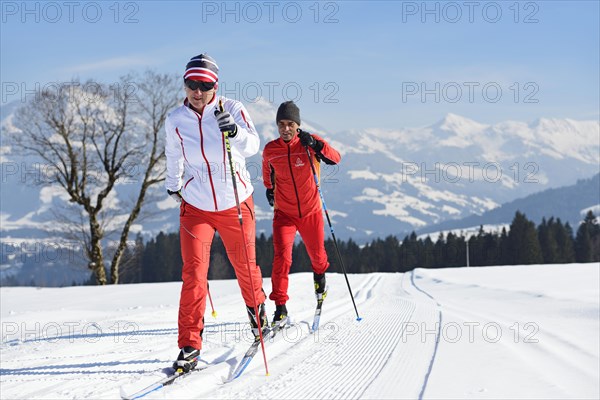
[351,254]
[491,248]
[455,251]
[505,256]
[372,257]
[477,248]
[428,253]
[409,253]
[565,242]
[547,239]
[439,252]
[586,240]
[149,268]
[391,253]
[523,242]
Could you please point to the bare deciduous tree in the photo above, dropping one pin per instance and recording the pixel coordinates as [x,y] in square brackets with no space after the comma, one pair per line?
[89,135]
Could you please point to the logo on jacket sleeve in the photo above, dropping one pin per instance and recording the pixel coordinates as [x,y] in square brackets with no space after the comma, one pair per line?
[299,162]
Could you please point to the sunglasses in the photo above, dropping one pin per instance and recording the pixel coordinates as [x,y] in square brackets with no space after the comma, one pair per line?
[203,86]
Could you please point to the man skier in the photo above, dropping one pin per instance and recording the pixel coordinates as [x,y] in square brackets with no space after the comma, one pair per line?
[292,191]
[198,177]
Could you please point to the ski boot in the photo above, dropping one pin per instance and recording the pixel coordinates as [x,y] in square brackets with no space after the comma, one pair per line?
[187,359]
[253,322]
[280,318]
[320,286]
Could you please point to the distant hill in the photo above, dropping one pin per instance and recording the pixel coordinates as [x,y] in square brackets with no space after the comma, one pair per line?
[567,203]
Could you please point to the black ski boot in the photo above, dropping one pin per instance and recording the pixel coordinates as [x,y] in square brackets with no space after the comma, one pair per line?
[263,319]
[320,286]
[280,318]
[187,359]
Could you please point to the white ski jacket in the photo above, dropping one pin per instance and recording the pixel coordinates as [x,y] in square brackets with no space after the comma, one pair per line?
[197,161]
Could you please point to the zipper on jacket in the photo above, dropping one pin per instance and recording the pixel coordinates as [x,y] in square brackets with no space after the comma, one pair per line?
[294,181]
[212,186]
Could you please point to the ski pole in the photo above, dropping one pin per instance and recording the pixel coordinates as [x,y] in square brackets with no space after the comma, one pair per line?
[314,171]
[239,211]
[214,313]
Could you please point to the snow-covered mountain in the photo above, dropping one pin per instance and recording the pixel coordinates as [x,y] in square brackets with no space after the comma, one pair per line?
[532,333]
[394,181]
[389,181]
[458,167]
[569,203]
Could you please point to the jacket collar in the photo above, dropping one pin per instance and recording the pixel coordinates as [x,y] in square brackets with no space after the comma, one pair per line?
[207,108]
[292,142]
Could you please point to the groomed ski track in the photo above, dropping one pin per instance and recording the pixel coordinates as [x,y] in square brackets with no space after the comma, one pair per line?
[344,359]
[99,342]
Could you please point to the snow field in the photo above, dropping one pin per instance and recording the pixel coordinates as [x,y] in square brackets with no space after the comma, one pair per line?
[498,332]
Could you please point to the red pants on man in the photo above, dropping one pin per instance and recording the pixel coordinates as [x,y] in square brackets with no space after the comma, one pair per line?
[285,227]
[196,231]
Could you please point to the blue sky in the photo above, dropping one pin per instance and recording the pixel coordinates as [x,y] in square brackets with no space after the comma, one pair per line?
[348,65]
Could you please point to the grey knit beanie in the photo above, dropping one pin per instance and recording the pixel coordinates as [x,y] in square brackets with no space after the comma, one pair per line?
[288,110]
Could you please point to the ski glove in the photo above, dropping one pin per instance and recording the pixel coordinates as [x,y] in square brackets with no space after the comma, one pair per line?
[226,123]
[271,197]
[175,195]
[308,140]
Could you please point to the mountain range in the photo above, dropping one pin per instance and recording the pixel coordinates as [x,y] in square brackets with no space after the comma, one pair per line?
[396,181]
[388,182]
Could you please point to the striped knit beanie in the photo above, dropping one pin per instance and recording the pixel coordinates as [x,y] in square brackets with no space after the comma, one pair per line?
[202,68]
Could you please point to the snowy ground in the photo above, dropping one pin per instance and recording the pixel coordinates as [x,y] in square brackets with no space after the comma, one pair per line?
[504,332]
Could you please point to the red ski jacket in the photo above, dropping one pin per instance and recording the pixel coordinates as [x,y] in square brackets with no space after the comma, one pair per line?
[286,169]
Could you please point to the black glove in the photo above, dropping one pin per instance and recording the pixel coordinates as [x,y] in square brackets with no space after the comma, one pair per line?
[226,123]
[308,140]
[271,197]
[175,195]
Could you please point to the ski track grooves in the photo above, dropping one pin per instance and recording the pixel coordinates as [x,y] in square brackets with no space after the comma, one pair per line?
[344,354]
[345,359]
[438,333]
[350,352]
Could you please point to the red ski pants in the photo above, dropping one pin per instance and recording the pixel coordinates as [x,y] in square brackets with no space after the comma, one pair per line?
[284,233]
[196,232]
